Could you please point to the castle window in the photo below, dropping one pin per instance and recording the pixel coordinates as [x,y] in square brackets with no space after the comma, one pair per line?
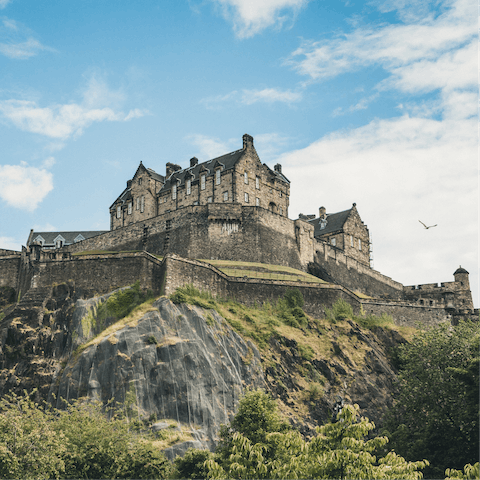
[257,202]
[129,208]
[359,244]
[210,200]
[174,192]
[281,211]
[202,182]
[257,183]
[142,204]
[225,196]
[246,178]
[119,211]
[333,241]
[246,197]
[189,186]
[351,240]
[138,203]
[217,177]
[281,193]
[140,181]
[421,302]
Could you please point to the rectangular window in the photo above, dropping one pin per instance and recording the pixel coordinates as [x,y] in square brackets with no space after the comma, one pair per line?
[359,244]
[246,178]
[210,200]
[119,212]
[217,177]
[246,197]
[257,202]
[225,196]
[129,208]
[189,186]
[202,182]
[333,241]
[257,183]
[281,211]
[174,192]
[142,204]
[351,240]
[138,203]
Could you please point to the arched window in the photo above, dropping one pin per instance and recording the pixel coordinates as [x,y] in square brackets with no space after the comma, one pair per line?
[272,207]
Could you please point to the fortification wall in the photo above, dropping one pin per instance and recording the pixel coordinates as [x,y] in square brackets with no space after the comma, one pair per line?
[7,253]
[181,271]
[98,274]
[352,274]
[405,314]
[213,231]
[9,270]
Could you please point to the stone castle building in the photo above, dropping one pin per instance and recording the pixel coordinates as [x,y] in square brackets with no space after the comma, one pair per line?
[232,207]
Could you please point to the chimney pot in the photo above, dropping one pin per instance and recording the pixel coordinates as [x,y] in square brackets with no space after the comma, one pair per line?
[278,168]
[193,161]
[322,212]
[247,141]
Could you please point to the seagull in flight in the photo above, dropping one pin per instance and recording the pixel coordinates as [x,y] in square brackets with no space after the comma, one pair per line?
[426,228]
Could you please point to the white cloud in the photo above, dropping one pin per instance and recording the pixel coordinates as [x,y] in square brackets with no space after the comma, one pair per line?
[64,121]
[250,97]
[9,243]
[250,17]
[24,187]
[209,147]
[270,95]
[17,41]
[4,3]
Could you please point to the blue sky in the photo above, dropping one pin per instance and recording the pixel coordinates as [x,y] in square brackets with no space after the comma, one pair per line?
[367,102]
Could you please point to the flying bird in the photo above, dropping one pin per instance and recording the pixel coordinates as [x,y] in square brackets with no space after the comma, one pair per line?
[431,226]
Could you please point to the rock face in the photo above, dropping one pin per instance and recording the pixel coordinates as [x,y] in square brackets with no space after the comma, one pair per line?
[177,361]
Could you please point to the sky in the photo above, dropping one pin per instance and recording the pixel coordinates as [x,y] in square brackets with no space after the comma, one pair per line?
[373,102]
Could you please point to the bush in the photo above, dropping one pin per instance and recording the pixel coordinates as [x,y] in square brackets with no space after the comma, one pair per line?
[339,311]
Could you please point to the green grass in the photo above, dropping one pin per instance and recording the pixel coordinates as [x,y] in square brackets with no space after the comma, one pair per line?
[262,270]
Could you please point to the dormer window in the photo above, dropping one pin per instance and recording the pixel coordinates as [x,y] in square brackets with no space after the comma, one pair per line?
[119,211]
[202,182]
[189,186]
[217,176]
[79,238]
[174,192]
[129,208]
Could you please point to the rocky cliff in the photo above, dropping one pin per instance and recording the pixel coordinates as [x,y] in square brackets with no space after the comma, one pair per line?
[189,363]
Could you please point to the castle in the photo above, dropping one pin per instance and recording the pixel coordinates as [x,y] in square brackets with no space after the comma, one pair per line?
[231,208]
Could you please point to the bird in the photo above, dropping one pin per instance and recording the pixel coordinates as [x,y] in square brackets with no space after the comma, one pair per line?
[431,226]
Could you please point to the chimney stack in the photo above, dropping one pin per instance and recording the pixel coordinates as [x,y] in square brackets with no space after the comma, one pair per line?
[322,213]
[172,167]
[278,168]
[247,141]
[193,161]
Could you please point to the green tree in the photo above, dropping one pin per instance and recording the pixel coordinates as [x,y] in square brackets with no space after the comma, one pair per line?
[260,445]
[191,465]
[29,445]
[470,472]
[436,414]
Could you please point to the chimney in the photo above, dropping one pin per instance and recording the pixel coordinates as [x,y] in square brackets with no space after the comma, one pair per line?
[322,213]
[193,161]
[247,141]
[129,183]
[172,167]
[278,168]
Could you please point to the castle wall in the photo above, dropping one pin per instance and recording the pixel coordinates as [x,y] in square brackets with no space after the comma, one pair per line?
[181,271]
[9,270]
[332,264]
[98,274]
[212,231]
[405,314]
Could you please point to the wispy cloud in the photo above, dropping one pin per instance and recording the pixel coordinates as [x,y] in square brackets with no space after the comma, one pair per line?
[251,96]
[250,17]
[17,41]
[64,121]
[209,147]
[4,3]
[362,104]
[23,186]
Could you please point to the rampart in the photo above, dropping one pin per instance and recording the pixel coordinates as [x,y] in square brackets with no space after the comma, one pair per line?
[213,231]
[9,270]
[332,263]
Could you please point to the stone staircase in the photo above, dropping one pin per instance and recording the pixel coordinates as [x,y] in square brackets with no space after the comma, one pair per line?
[32,304]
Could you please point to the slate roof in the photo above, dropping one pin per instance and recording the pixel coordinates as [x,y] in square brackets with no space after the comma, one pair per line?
[156,176]
[335,222]
[227,162]
[69,237]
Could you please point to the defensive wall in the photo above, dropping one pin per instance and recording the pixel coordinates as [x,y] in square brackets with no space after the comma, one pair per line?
[331,264]
[213,231]
[10,269]
[98,274]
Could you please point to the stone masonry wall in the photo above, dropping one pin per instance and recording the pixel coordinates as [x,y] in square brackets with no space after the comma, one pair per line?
[353,274]
[9,270]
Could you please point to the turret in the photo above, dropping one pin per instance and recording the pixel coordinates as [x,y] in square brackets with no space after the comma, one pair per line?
[461,277]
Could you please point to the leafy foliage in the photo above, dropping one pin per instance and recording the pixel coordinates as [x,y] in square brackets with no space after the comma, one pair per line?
[260,444]
[470,472]
[192,465]
[436,415]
